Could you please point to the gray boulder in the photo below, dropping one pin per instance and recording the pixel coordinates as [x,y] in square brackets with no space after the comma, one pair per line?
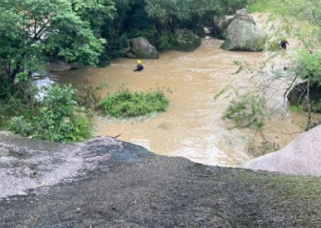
[222,23]
[301,157]
[243,36]
[185,40]
[244,16]
[297,96]
[141,48]
[55,65]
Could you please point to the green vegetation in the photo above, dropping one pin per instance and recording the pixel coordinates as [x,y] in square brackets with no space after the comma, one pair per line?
[273,6]
[296,108]
[221,92]
[35,29]
[55,119]
[246,110]
[309,65]
[90,32]
[127,104]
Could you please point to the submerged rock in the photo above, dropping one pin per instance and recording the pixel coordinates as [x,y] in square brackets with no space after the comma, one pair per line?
[141,48]
[301,157]
[243,36]
[55,65]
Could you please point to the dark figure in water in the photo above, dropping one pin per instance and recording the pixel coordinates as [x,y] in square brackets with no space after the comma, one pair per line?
[283,43]
[139,66]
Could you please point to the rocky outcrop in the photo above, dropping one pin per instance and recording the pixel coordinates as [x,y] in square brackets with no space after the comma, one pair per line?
[297,96]
[108,183]
[243,36]
[222,23]
[141,48]
[244,16]
[301,157]
[55,65]
[185,40]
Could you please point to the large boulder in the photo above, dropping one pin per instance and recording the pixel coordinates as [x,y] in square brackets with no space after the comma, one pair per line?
[222,23]
[297,96]
[141,48]
[244,16]
[301,157]
[243,36]
[185,40]
[56,65]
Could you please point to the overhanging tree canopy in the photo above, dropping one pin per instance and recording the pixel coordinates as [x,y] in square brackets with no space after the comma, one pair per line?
[32,29]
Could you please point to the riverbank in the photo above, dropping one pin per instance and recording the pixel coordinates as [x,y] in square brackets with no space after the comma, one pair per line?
[123,185]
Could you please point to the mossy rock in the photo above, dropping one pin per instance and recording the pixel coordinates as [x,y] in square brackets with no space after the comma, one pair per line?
[185,40]
[297,97]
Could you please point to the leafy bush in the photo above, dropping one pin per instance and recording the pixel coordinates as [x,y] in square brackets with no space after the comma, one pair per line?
[246,111]
[15,99]
[127,104]
[308,64]
[166,41]
[89,96]
[56,120]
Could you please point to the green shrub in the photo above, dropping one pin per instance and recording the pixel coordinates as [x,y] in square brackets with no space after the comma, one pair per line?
[15,99]
[296,108]
[166,41]
[246,111]
[55,120]
[127,104]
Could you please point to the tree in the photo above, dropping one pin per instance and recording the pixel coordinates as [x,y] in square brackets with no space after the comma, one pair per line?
[30,30]
[171,12]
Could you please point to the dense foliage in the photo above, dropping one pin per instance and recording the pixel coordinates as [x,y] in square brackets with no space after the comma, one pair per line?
[91,32]
[300,20]
[127,104]
[31,30]
[55,120]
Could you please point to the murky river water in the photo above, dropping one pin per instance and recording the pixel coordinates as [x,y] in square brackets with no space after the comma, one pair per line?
[192,126]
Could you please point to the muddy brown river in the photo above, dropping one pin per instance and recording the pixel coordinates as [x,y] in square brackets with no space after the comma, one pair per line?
[192,126]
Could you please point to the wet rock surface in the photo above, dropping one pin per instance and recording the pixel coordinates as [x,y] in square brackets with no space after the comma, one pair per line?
[301,157]
[109,183]
[141,48]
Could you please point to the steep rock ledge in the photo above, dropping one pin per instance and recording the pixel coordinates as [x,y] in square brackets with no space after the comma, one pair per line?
[108,183]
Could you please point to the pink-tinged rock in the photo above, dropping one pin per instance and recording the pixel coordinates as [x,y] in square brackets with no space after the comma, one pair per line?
[301,157]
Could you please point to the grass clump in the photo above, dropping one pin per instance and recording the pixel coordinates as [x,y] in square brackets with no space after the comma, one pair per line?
[246,111]
[132,104]
[296,108]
